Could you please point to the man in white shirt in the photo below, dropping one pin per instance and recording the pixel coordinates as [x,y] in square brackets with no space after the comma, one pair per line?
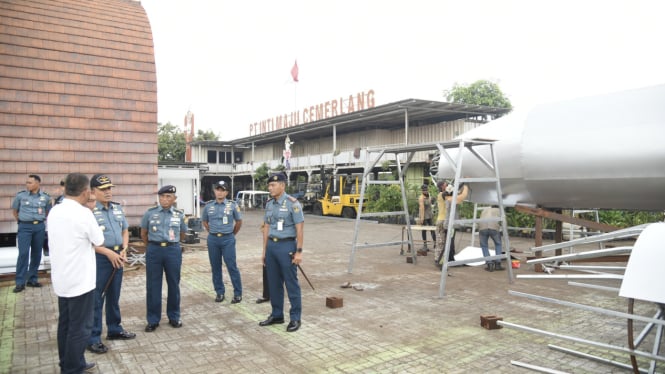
[73,232]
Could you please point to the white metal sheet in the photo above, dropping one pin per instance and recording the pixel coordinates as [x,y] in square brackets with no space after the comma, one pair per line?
[470,253]
[644,278]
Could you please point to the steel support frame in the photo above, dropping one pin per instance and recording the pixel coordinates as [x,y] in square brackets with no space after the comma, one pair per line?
[657,322]
[410,151]
[457,166]
[369,165]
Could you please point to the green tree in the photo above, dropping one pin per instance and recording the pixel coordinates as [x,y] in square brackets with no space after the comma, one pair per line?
[206,135]
[481,92]
[261,177]
[170,143]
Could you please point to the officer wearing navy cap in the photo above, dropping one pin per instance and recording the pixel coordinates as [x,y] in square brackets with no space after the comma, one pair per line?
[162,228]
[283,233]
[222,218]
[30,208]
[110,259]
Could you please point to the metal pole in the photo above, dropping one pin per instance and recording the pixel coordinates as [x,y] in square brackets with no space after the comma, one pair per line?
[592,357]
[589,308]
[581,341]
[536,368]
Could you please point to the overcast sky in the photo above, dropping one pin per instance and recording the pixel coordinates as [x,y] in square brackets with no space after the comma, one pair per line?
[229,62]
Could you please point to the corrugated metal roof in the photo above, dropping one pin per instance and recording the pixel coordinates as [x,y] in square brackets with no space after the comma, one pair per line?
[387,116]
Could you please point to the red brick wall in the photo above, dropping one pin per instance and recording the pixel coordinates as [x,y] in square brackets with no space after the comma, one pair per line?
[78,93]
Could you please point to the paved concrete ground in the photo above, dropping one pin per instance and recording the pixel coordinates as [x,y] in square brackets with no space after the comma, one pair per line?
[396,324]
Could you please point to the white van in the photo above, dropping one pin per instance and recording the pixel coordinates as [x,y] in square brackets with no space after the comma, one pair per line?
[252,199]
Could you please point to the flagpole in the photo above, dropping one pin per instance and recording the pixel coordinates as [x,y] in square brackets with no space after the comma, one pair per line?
[294,75]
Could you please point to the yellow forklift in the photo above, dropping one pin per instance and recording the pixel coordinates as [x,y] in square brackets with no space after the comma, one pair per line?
[341,197]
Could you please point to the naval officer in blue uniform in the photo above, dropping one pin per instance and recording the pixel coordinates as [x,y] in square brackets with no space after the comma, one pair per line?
[162,228]
[222,218]
[110,260]
[282,251]
[30,208]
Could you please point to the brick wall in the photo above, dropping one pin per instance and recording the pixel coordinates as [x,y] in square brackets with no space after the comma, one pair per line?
[78,93]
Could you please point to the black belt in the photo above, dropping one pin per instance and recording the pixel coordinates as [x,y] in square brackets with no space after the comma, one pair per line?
[116,248]
[31,222]
[282,239]
[220,234]
[164,244]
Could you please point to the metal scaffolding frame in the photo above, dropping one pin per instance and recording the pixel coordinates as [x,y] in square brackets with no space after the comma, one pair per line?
[653,325]
[374,155]
[407,152]
[493,168]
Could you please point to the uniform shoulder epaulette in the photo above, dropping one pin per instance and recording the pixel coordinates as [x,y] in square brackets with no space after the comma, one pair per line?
[154,207]
[269,200]
[181,211]
[292,199]
[45,193]
[114,203]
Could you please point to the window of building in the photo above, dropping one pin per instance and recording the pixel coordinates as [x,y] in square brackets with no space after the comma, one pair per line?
[225,157]
[212,157]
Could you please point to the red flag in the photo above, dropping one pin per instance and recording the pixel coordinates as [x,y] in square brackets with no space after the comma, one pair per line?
[294,71]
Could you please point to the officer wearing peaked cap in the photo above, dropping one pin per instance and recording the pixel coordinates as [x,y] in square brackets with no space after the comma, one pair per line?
[162,228]
[222,218]
[110,259]
[166,189]
[283,234]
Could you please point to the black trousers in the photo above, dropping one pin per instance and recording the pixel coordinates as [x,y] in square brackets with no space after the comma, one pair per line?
[428,222]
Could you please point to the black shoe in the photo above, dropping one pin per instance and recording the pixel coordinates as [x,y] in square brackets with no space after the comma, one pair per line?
[498,267]
[262,300]
[175,323]
[18,288]
[89,366]
[271,321]
[219,298]
[489,267]
[34,284]
[236,299]
[124,335]
[293,326]
[98,348]
[151,327]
